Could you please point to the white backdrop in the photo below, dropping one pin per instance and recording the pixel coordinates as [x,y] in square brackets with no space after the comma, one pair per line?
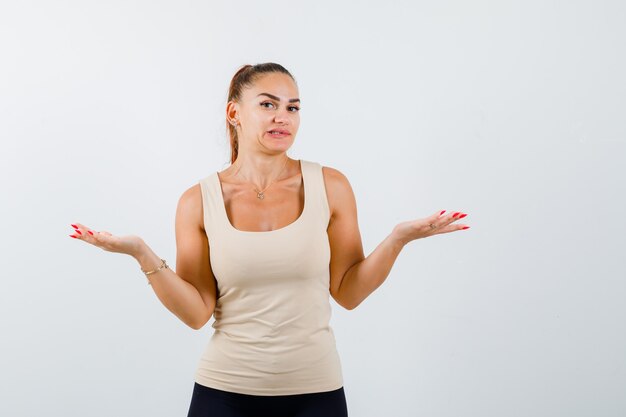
[512,112]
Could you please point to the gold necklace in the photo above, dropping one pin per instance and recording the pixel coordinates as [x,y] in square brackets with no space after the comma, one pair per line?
[259,194]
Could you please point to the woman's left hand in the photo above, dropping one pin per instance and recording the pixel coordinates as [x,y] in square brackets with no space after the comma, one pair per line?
[429,226]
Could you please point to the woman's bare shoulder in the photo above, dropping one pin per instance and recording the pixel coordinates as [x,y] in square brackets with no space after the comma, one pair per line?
[190,204]
[337,186]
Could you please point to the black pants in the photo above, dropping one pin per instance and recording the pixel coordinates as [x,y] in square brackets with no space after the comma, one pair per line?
[211,402]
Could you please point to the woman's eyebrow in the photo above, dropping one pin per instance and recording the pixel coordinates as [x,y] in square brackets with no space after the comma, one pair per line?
[292,100]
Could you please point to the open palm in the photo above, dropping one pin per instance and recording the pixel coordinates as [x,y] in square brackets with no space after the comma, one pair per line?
[429,226]
[128,244]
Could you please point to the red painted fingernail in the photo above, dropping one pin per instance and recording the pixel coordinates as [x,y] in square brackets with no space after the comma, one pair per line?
[75,237]
[74,226]
[464,227]
[89,231]
[455,214]
[78,231]
[442,211]
[462,215]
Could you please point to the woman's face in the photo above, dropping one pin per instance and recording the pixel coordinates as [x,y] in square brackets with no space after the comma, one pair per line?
[270,104]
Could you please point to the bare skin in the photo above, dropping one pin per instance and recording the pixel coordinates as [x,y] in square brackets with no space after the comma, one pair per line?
[263,164]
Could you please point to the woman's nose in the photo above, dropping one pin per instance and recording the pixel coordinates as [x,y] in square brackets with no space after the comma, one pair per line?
[282,116]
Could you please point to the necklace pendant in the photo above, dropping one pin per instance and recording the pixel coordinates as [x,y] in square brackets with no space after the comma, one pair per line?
[260,195]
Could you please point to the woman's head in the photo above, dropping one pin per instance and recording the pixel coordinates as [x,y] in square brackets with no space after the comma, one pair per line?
[261,98]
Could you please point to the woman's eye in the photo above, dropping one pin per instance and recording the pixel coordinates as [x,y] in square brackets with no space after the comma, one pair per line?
[290,107]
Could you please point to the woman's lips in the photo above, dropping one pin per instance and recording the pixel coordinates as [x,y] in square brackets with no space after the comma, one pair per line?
[278,135]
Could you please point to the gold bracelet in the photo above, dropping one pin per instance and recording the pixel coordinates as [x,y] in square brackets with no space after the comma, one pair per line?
[163,265]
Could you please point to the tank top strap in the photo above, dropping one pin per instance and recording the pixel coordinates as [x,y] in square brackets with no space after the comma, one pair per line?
[211,201]
[315,191]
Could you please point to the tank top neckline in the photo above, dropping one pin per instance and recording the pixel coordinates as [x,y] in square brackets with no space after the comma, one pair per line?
[291,225]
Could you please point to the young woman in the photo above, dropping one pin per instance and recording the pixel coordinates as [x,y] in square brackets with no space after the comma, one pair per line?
[261,246]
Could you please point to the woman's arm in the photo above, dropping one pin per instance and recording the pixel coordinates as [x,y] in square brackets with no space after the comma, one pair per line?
[353,277]
[346,248]
[190,293]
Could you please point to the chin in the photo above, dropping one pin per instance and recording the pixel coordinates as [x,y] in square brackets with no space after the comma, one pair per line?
[278,144]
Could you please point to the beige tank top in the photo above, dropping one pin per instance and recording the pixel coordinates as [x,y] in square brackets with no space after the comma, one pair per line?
[272,334]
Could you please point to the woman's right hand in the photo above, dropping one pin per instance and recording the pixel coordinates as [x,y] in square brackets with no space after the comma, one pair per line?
[130,244]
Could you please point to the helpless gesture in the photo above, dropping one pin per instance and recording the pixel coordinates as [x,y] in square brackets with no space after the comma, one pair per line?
[262,246]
